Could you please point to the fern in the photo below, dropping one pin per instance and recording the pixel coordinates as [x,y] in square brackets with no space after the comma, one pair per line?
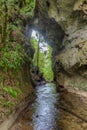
[12,91]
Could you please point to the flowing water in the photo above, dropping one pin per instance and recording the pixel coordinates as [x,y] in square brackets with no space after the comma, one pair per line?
[46,112]
[43,114]
[53,111]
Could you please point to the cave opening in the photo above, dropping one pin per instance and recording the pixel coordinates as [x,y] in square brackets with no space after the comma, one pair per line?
[42,58]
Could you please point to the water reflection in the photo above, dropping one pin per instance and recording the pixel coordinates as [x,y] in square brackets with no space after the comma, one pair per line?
[46,112]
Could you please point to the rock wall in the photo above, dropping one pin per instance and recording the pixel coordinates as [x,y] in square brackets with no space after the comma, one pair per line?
[69,40]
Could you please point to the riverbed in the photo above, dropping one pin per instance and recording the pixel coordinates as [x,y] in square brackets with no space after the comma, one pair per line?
[51,110]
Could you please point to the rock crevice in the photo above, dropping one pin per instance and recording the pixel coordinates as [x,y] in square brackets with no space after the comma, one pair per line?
[64,25]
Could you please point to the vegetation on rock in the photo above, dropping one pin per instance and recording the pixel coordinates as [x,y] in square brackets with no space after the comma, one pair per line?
[14,15]
[42,58]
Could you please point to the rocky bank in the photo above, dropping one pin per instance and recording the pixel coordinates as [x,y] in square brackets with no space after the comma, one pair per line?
[64,25]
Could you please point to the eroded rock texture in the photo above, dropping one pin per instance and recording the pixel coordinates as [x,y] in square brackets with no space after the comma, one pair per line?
[65,24]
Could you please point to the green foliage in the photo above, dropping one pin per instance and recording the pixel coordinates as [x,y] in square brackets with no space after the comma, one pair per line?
[7,104]
[45,63]
[47,69]
[29,7]
[35,46]
[10,12]
[41,62]
[12,91]
[12,57]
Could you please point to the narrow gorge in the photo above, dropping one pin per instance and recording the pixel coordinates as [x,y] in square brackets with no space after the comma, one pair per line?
[43,65]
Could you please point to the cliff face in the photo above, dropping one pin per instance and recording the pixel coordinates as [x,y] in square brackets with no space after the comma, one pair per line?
[67,32]
[64,25]
[15,56]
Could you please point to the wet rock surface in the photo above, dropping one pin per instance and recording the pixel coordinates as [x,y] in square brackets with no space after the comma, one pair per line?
[73,113]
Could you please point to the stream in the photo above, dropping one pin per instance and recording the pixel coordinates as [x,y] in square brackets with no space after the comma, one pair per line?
[43,113]
[54,111]
[46,112]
